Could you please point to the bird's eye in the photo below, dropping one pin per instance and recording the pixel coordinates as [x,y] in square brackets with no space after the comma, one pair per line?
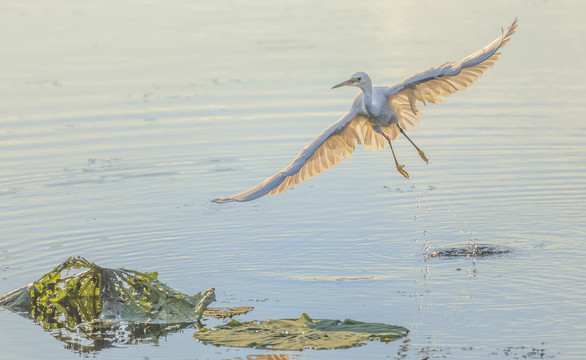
[358,78]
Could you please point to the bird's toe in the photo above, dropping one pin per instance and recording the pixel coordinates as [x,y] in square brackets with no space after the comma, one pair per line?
[422,154]
[401,170]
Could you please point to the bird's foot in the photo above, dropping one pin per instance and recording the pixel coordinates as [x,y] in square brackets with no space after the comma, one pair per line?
[401,169]
[422,154]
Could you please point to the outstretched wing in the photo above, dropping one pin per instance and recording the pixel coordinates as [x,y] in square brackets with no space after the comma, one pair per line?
[337,141]
[444,80]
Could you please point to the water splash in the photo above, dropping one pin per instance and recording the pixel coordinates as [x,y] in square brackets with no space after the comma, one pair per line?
[471,250]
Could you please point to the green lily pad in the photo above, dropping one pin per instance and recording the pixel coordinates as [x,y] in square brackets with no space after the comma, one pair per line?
[91,307]
[299,334]
[99,293]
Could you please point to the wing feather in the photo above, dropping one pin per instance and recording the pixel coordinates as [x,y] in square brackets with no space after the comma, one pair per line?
[336,142]
[430,85]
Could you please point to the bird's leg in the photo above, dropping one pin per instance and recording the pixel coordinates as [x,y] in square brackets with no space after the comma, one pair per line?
[400,168]
[421,153]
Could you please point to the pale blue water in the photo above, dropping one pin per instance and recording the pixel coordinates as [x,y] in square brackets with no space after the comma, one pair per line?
[121,121]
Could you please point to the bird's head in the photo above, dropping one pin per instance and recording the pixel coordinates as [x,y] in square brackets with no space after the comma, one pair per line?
[359,79]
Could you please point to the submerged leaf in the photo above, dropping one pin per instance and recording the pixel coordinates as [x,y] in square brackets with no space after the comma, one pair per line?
[299,334]
[471,250]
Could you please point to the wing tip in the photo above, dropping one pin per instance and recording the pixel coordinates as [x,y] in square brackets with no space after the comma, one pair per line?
[241,197]
[510,31]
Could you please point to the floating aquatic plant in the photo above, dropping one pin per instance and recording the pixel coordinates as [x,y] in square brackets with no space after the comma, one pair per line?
[91,307]
[299,334]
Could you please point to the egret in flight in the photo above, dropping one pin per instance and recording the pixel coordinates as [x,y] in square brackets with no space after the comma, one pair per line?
[377,117]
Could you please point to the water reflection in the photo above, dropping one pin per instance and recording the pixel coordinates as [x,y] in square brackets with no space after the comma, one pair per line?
[270,357]
[95,336]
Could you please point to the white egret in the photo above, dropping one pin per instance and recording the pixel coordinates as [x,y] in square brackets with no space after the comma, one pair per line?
[378,115]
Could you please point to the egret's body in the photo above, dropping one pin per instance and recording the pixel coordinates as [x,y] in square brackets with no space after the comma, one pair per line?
[377,116]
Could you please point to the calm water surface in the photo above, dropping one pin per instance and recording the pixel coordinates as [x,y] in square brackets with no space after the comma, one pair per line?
[120,121]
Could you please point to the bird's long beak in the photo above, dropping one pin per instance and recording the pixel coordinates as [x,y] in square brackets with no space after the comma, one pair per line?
[344,83]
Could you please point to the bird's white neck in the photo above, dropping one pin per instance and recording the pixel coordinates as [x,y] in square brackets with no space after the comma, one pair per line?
[367,96]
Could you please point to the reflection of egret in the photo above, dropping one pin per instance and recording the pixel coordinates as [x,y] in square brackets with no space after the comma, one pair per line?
[378,115]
